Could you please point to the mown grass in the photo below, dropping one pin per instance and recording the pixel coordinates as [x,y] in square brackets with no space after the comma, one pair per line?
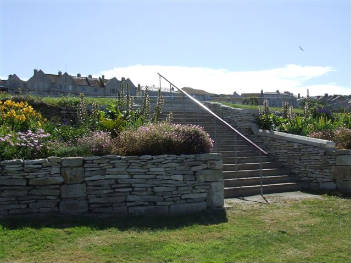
[256,107]
[315,230]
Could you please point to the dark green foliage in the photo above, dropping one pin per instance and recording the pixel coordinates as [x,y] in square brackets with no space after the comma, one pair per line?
[251,101]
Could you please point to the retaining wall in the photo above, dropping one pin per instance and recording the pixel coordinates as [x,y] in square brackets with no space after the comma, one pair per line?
[134,185]
[316,164]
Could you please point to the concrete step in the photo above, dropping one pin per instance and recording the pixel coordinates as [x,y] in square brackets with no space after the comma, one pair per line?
[246,159]
[234,182]
[232,192]
[238,153]
[253,173]
[224,147]
[249,166]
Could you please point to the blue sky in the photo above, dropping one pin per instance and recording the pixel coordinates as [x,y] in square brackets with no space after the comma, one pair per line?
[219,46]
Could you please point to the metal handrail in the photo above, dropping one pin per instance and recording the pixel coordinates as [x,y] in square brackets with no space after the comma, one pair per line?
[217,117]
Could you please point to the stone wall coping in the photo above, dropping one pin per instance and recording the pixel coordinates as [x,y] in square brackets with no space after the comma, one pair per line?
[298,139]
[200,156]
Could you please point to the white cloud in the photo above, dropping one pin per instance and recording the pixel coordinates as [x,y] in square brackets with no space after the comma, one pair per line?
[222,81]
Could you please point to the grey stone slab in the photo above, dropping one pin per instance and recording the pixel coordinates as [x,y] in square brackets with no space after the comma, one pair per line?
[344,160]
[73,206]
[216,195]
[73,190]
[187,208]
[194,195]
[148,210]
[209,175]
[46,180]
[12,181]
[72,162]
[72,175]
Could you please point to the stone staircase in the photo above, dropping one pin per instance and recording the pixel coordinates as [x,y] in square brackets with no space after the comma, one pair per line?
[241,161]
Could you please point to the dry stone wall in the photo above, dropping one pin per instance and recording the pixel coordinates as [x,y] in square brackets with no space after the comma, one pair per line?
[135,185]
[316,164]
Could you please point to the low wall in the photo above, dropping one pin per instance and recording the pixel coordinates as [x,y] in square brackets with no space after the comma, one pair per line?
[242,119]
[315,163]
[135,185]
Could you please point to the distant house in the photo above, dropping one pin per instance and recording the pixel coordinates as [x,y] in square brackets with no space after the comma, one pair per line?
[3,87]
[64,84]
[275,99]
[335,102]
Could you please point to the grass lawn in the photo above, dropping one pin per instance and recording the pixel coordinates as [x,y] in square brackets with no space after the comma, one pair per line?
[312,230]
[256,107]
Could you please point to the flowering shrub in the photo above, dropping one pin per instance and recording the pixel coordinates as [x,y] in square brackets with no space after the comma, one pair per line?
[19,115]
[163,138]
[24,145]
[325,135]
[343,138]
[98,142]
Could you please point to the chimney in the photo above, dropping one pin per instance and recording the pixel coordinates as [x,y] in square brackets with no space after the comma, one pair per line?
[89,76]
[60,73]
[326,95]
[261,91]
[278,91]
[35,71]
[103,77]
[298,95]
[123,79]
[78,75]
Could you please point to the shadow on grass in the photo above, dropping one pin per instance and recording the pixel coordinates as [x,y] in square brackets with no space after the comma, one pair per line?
[136,223]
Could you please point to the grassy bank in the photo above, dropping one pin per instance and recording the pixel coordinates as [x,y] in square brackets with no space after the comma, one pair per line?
[256,107]
[315,230]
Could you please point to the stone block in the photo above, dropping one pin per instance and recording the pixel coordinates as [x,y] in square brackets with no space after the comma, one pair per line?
[72,175]
[343,160]
[46,180]
[107,199]
[73,190]
[11,182]
[177,177]
[329,186]
[12,162]
[72,162]
[69,206]
[194,195]
[215,164]
[117,176]
[44,204]
[164,189]
[45,192]
[216,195]
[343,186]
[187,208]
[342,171]
[13,193]
[209,175]
[148,210]
[142,198]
